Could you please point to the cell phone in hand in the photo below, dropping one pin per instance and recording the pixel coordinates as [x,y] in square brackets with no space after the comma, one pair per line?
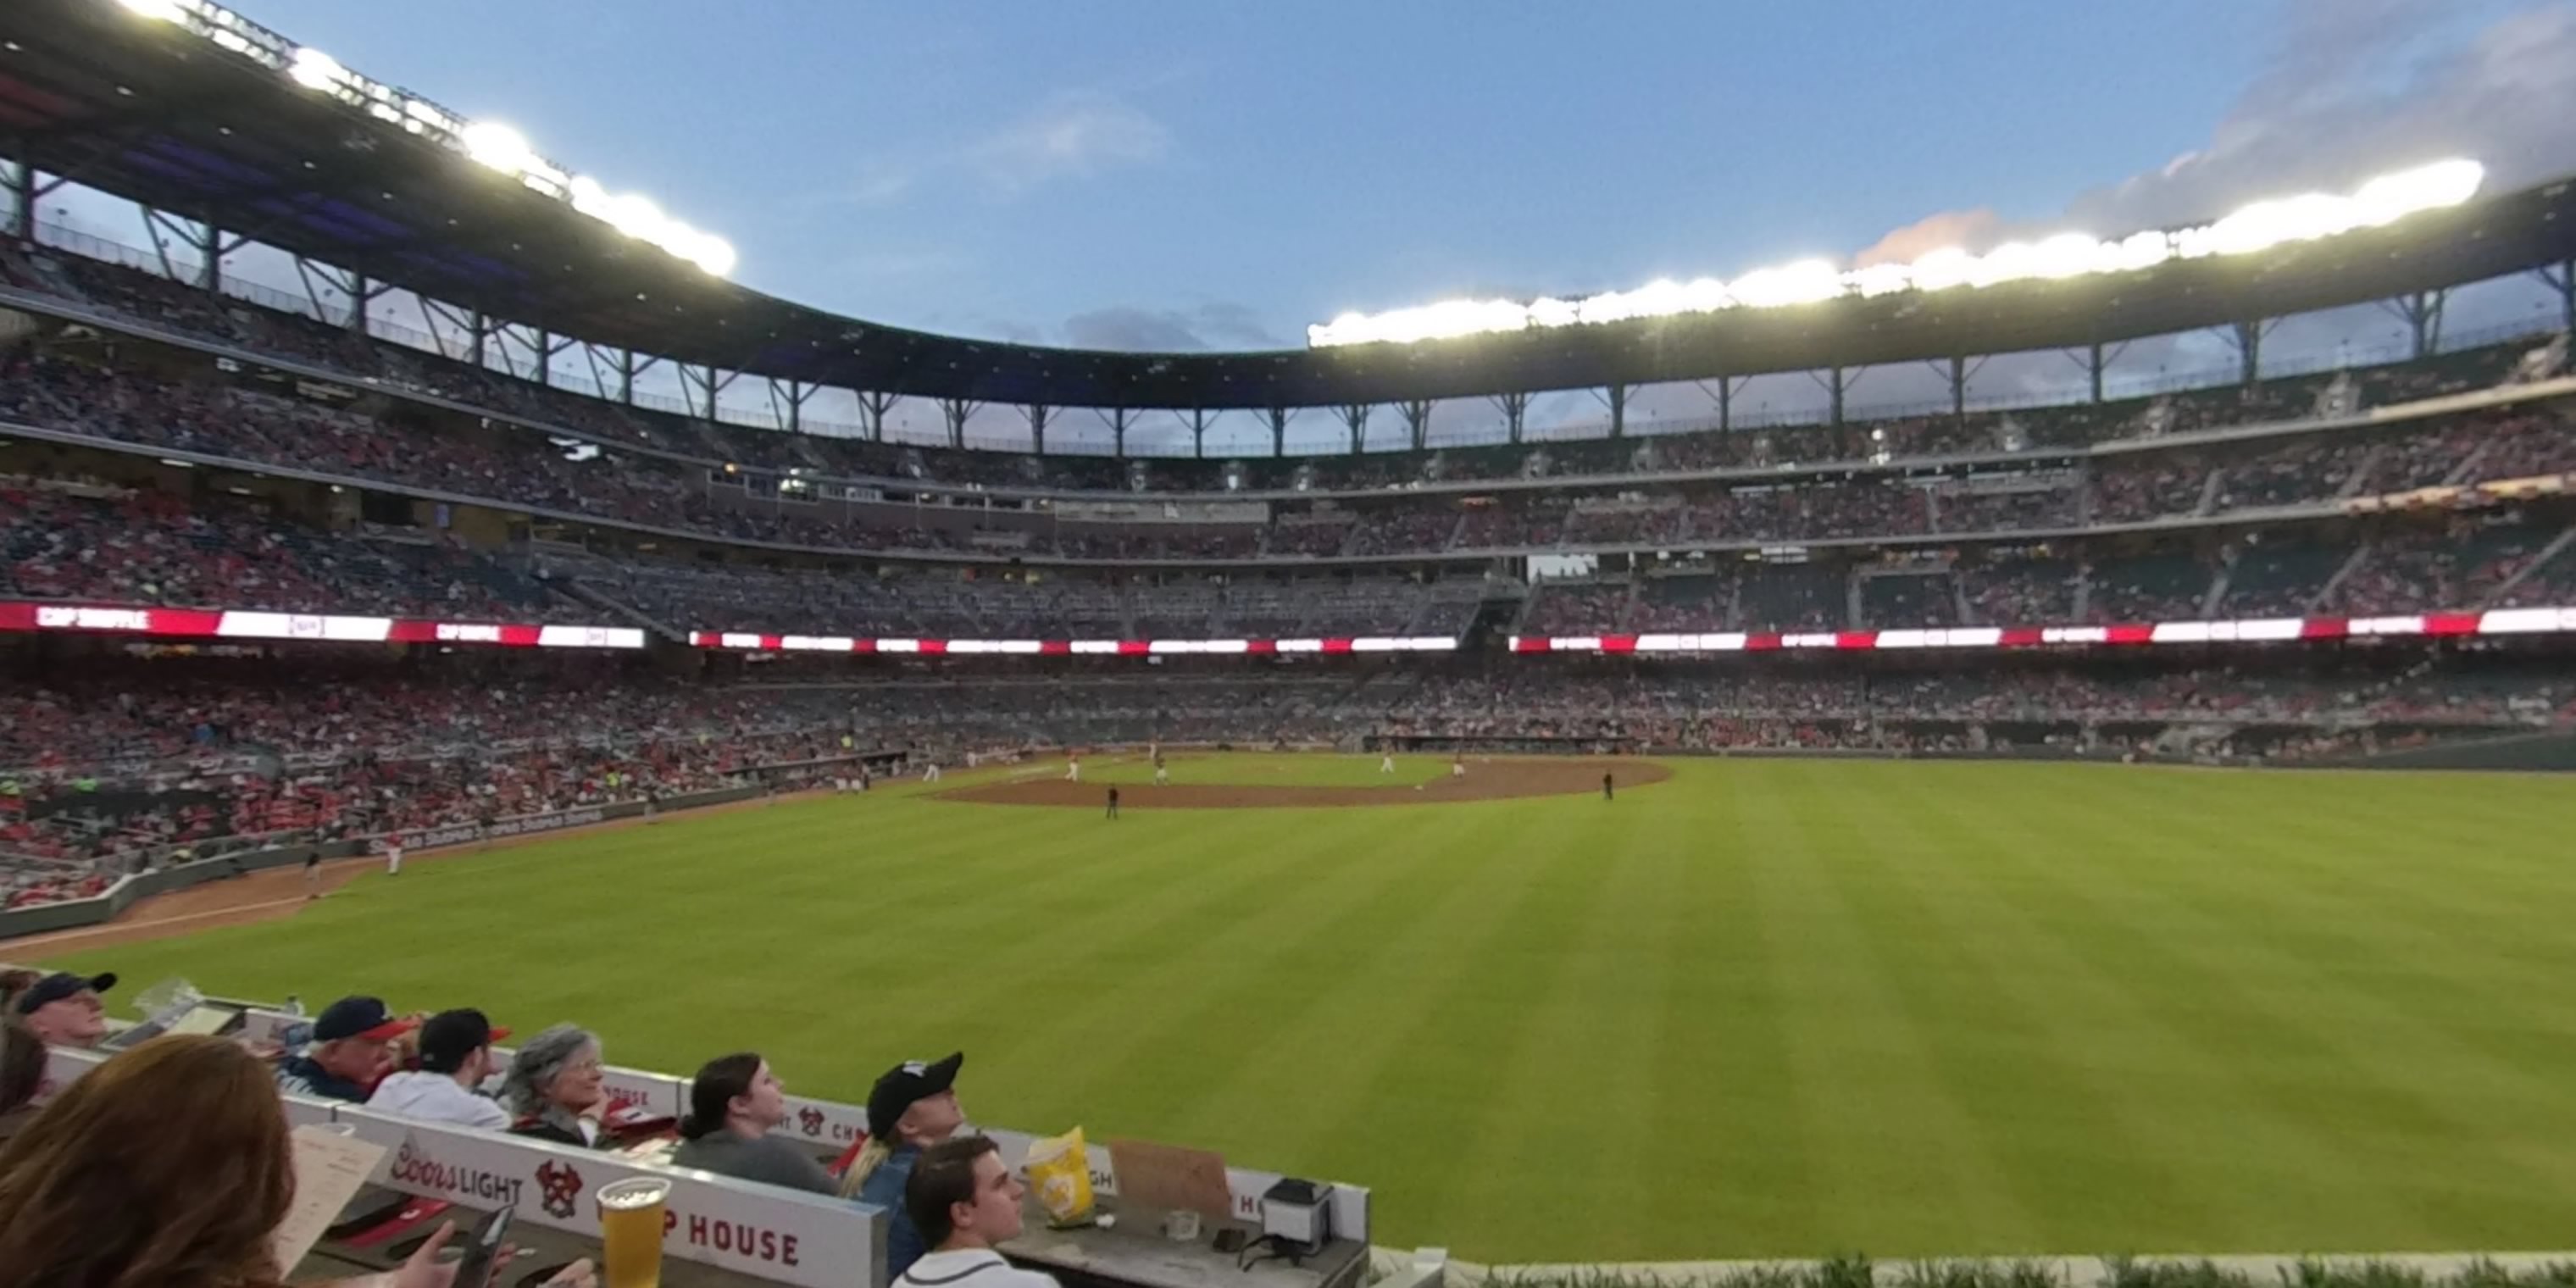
[482,1249]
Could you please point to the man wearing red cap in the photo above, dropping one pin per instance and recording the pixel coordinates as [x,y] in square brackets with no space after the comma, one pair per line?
[455,1058]
[352,1051]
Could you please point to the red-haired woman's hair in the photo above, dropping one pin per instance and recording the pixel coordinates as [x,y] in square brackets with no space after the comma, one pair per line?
[166,1167]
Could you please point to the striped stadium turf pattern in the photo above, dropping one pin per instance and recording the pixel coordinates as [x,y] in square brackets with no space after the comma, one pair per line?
[1767,1008]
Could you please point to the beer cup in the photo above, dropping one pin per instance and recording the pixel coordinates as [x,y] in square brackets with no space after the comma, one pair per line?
[630,1231]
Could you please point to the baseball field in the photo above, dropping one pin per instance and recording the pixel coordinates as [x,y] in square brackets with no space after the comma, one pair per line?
[1758,1008]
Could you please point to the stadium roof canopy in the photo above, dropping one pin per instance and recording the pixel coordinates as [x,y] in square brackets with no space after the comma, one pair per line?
[152,113]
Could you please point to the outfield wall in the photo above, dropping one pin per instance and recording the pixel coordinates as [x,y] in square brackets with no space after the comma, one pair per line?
[72,914]
[2526,752]
[2554,751]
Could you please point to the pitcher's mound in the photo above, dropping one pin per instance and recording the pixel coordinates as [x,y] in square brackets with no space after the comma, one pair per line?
[1485,780]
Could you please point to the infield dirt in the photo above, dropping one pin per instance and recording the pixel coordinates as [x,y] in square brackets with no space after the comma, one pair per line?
[1484,781]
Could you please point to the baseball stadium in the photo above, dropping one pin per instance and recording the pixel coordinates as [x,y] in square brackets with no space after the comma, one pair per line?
[471,665]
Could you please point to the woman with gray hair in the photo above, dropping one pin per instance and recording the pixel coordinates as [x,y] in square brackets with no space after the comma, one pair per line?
[556,1088]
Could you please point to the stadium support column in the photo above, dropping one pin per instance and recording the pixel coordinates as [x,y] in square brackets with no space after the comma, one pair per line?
[2095,359]
[623,387]
[2248,339]
[353,286]
[872,413]
[1278,418]
[1615,397]
[21,180]
[25,192]
[1039,415]
[548,348]
[787,403]
[1355,417]
[1837,383]
[205,239]
[2422,314]
[632,369]
[2562,279]
[704,383]
[957,411]
[1957,371]
[1727,388]
[1198,419]
[1515,409]
[1116,418]
[1417,421]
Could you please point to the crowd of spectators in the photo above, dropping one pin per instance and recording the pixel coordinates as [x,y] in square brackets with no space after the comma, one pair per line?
[162,303]
[945,604]
[1686,707]
[2498,559]
[92,542]
[493,460]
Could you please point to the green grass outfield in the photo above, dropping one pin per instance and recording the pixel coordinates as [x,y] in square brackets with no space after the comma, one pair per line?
[1766,1008]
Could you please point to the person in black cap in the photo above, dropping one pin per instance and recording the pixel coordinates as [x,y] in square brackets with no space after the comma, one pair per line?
[913,1107]
[352,1050]
[455,1058]
[63,1009]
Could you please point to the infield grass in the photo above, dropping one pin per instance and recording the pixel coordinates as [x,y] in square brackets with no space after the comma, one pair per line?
[1765,1008]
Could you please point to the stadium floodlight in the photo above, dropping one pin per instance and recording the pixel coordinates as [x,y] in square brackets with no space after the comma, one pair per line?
[314,69]
[498,146]
[714,254]
[2256,227]
[488,143]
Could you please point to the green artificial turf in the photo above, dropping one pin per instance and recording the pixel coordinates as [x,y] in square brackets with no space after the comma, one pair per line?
[1766,1008]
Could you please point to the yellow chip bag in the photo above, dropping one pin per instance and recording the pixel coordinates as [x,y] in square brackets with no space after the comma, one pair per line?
[1060,1171]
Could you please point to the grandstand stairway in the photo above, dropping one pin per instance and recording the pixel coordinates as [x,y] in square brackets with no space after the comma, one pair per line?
[598,597]
[2218,585]
[2362,472]
[2557,546]
[2210,490]
[2468,467]
[2360,555]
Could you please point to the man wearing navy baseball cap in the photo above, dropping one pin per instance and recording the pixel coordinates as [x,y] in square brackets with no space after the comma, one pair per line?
[352,1051]
[64,1010]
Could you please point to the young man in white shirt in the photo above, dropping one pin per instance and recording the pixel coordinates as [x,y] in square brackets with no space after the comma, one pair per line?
[965,1199]
[455,1058]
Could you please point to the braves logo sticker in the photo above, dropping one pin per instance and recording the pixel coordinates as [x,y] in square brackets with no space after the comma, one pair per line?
[558,1188]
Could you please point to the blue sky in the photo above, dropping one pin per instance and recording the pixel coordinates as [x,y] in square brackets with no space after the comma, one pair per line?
[1161,174]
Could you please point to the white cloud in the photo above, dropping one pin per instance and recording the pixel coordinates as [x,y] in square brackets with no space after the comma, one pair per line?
[1138,330]
[2359,87]
[883,263]
[1073,136]
[2351,88]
